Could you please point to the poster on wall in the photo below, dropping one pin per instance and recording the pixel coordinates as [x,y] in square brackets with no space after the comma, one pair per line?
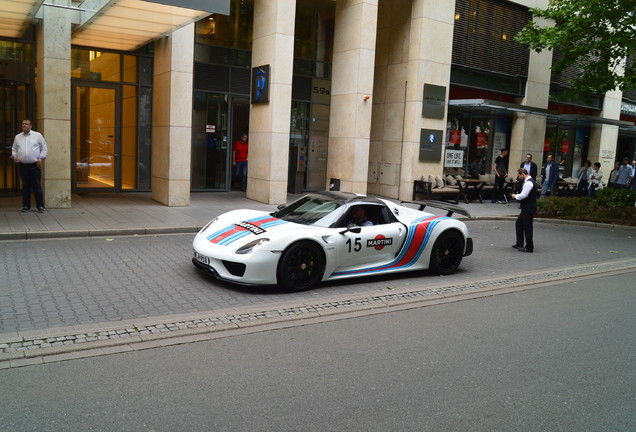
[499,142]
[453,158]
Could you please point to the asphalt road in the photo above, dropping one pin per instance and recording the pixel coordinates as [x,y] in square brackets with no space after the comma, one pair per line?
[69,282]
[555,358]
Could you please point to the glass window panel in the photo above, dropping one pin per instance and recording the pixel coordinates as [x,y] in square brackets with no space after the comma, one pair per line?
[95,65]
[130,69]
[234,30]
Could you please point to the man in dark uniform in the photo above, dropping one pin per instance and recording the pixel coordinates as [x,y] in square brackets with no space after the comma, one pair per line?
[528,205]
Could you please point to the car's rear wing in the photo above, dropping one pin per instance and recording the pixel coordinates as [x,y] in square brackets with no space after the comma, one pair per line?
[450,208]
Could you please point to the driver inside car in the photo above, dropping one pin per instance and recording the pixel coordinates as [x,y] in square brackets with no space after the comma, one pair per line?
[358,217]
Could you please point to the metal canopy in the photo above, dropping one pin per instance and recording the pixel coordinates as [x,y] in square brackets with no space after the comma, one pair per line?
[16,15]
[507,106]
[111,24]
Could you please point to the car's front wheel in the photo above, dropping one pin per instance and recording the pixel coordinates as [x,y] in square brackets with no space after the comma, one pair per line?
[447,252]
[301,266]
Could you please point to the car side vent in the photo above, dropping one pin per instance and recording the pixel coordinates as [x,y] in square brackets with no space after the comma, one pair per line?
[236,269]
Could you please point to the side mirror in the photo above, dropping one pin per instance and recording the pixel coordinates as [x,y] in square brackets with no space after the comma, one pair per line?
[352,228]
[281,206]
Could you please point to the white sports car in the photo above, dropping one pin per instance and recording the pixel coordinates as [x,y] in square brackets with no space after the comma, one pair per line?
[328,236]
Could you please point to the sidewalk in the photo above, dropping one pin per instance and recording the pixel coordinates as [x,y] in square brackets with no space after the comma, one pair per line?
[106,214]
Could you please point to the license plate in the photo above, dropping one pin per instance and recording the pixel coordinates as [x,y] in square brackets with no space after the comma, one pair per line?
[201,258]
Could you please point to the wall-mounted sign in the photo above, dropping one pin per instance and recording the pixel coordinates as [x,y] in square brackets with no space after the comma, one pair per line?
[454,158]
[320,91]
[434,102]
[431,144]
[210,128]
[260,84]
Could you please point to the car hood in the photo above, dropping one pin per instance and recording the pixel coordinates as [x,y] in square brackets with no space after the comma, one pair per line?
[242,226]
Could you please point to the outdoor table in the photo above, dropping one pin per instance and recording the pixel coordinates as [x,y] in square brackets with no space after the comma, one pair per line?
[565,188]
[477,186]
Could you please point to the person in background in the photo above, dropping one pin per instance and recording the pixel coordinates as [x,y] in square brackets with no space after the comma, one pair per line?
[530,166]
[239,160]
[29,151]
[583,183]
[549,176]
[625,175]
[595,180]
[611,183]
[500,168]
[633,185]
[528,205]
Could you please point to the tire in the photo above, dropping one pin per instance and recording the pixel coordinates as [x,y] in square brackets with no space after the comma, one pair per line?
[300,267]
[447,252]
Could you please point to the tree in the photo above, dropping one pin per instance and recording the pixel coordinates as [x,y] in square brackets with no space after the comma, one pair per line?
[597,35]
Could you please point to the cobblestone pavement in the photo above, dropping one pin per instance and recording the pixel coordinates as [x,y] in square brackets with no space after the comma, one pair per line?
[70,282]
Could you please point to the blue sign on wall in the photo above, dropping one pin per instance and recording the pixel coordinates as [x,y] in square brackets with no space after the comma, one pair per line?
[260,84]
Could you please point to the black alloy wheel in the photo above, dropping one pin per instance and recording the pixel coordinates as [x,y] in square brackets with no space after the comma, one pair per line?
[447,252]
[301,266]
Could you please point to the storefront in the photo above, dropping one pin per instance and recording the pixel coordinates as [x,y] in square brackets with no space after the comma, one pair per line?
[17,102]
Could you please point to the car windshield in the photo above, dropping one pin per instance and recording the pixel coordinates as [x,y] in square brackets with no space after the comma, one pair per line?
[307,210]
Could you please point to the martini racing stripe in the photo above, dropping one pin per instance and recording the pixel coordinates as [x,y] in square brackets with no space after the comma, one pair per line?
[232,233]
[419,235]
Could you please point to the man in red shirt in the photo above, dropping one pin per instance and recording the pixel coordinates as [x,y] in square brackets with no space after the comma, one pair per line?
[239,160]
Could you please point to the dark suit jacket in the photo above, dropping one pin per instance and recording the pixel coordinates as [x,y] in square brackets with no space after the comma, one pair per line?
[533,169]
[554,174]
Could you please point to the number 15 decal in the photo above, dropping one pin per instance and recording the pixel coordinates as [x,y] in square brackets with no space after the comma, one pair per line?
[357,245]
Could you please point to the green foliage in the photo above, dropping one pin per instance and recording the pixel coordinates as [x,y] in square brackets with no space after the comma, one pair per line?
[595,34]
[609,197]
[588,209]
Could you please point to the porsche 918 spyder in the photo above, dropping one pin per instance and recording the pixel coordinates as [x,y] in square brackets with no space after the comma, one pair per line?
[328,236]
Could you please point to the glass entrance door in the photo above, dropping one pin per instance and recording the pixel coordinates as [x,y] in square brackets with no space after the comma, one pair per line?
[95,139]
[13,97]
[210,142]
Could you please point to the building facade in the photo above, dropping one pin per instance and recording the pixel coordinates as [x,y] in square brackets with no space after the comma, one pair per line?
[365,96]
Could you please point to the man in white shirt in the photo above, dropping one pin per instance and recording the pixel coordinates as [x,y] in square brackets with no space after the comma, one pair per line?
[29,151]
[528,205]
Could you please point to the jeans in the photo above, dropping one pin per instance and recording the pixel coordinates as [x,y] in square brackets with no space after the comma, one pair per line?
[241,170]
[545,187]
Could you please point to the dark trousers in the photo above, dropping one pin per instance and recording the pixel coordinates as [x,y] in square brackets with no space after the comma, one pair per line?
[497,192]
[30,175]
[523,227]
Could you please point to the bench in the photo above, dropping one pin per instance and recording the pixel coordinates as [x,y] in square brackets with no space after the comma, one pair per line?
[426,189]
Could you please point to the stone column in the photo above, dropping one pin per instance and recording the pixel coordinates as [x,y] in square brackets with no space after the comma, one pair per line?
[53,110]
[352,80]
[172,117]
[604,137]
[273,45]
[528,130]
[429,62]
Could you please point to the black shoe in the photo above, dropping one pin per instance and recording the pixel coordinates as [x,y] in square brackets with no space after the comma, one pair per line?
[40,209]
[524,250]
[25,209]
[517,246]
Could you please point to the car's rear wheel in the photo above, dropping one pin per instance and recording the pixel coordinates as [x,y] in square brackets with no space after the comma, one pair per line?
[447,252]
[301,266]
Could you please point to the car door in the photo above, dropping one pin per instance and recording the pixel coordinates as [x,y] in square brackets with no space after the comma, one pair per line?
[372,246]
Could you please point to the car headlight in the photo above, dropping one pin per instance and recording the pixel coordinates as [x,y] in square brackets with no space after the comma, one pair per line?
[252,246]
[208,224]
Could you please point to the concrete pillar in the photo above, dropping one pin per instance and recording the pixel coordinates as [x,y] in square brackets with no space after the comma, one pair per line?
[172,117]
[273,45]
[604,137]
[352,80]
[389,91]
[53,110]
[429,62]
[528,130]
